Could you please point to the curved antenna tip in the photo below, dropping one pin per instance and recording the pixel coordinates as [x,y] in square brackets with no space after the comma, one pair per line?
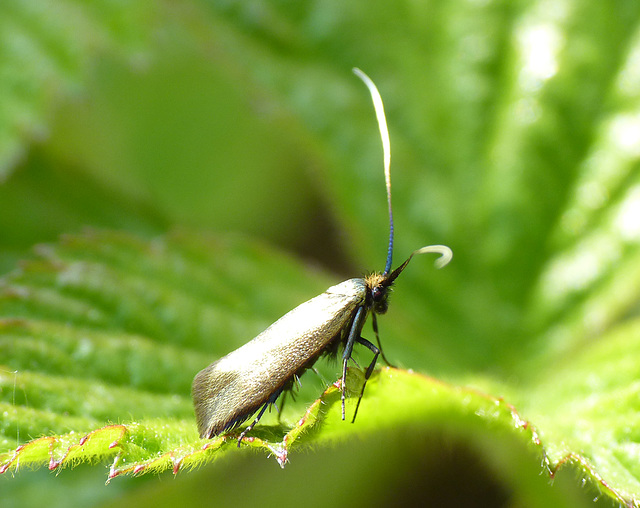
[446,254]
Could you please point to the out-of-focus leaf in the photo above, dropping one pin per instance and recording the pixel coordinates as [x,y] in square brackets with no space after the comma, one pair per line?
[46,49]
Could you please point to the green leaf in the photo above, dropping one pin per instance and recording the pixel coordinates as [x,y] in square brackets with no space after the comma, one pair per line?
[103,333]
[42,59]
[107,329]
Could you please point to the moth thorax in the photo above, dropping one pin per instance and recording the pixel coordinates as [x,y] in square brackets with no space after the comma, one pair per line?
[378,287]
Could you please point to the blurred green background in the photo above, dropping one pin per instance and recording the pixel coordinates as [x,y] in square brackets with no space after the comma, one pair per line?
[244,117]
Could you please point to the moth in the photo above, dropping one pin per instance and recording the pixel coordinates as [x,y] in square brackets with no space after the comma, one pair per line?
[251,378]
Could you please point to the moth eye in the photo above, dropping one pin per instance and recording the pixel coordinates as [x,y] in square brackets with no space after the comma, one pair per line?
[377,293]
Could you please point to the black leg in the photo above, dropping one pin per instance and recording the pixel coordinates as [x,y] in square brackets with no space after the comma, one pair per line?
[374,321]
[272,400]
[248,429]
[370,368]
[354,334]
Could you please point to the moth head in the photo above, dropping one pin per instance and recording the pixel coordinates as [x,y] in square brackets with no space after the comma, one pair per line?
[378,289]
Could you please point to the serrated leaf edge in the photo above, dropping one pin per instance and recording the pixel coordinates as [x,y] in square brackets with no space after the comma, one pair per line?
[190,456]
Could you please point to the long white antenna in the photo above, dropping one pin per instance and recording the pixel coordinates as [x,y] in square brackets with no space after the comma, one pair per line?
[386,150]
